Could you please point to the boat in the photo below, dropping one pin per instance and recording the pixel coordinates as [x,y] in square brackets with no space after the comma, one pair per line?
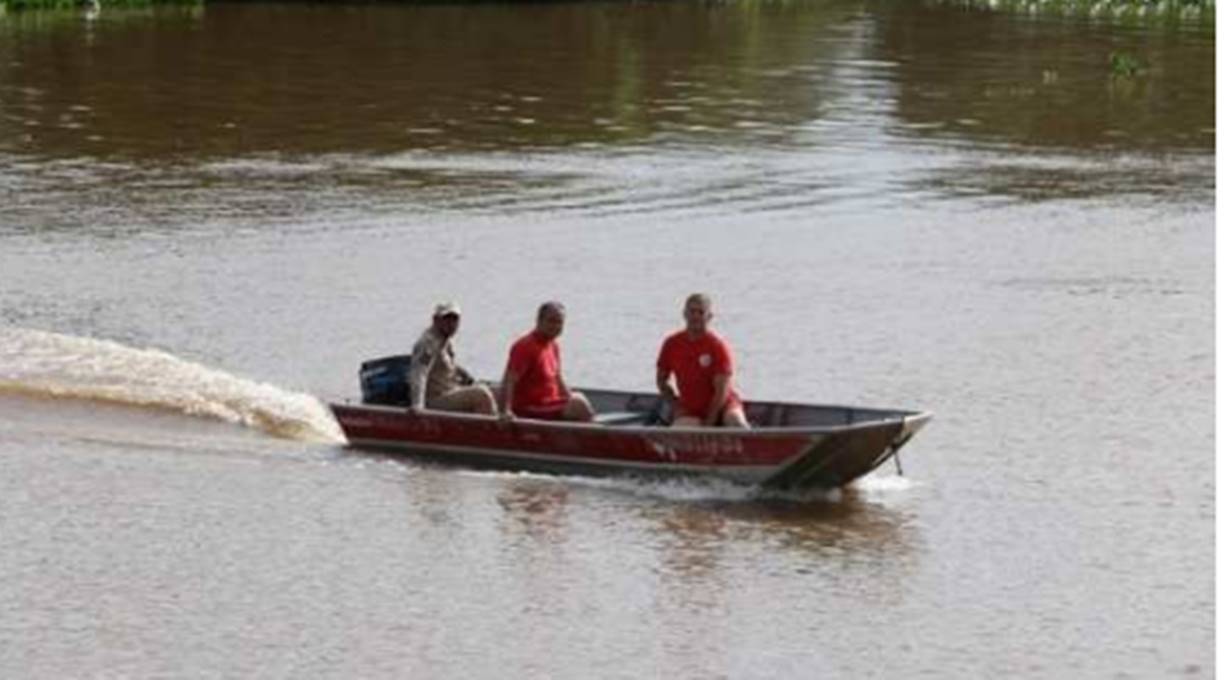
[791,446]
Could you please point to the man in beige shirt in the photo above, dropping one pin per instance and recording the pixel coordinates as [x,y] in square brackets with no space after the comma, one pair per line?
[435,381]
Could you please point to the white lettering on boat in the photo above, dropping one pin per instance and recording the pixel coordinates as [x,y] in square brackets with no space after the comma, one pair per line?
[425,426]
[669,445]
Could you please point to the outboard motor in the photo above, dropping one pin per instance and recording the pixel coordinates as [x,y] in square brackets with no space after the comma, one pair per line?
[385,380]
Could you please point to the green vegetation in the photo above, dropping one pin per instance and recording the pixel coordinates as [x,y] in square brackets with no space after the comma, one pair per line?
[1124,11]
[1124,65]
[6,5]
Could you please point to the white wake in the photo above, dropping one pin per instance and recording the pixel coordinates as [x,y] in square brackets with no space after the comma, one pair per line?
[51,365]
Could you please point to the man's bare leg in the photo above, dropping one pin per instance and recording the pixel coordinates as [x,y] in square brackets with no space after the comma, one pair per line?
[733,416]
[578,408]
[472,399]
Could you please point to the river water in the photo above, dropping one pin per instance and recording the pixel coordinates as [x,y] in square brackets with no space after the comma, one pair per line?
[210,215]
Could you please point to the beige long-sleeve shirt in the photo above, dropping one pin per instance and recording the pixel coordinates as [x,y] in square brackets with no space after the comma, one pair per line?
[434,371]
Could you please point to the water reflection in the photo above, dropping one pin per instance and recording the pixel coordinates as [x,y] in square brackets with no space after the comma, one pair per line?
[844,525]
[990,78]
[325,79]
[534,509]
[718,562]
[1045,178]
[853,528]
[698,541]
[703,547]
[259,113]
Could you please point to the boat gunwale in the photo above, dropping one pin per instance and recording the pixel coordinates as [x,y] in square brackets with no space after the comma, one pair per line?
[911,418]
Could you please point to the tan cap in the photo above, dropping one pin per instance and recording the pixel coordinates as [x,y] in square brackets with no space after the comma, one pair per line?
[446,309]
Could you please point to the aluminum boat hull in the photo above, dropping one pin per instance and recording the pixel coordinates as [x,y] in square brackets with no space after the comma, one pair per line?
[790,447]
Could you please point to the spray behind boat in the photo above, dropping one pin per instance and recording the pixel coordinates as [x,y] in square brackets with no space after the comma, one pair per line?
[54,366]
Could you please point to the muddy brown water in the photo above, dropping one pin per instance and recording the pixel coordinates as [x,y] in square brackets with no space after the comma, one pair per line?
[210,215]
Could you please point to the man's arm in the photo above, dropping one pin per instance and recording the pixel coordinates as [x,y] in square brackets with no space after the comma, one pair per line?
[663,371]
[507,393]
[422,362]
[722,389]
[461,373]
[565,391]
[663,381]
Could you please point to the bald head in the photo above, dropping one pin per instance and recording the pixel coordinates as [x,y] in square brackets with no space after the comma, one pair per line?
[698,310]
[698,299]
[552,307]
[550,319]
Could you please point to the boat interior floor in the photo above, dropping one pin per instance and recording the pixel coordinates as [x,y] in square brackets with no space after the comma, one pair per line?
[625,418]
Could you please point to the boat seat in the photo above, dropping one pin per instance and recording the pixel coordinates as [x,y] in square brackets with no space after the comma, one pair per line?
[621,418]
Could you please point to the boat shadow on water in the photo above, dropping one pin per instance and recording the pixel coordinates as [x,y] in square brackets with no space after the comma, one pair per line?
[852,519]
[713,541]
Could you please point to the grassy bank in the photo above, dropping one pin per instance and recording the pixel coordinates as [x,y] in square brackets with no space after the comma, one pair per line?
[1126,11]
[18,5]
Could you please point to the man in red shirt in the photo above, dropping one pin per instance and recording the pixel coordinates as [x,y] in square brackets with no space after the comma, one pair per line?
[533,386]
[702,364]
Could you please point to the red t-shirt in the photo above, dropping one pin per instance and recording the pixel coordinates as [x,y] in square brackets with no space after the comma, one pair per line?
[537,362]
[696,361]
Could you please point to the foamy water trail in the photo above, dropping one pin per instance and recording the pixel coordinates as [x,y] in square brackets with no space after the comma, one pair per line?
[681,490]
[42,364]
[883,484]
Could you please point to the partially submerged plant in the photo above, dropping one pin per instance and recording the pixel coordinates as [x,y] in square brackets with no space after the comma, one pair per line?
[1124,65]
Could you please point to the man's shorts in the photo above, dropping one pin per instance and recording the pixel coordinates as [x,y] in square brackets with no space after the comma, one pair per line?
[548,411]
[733,402]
